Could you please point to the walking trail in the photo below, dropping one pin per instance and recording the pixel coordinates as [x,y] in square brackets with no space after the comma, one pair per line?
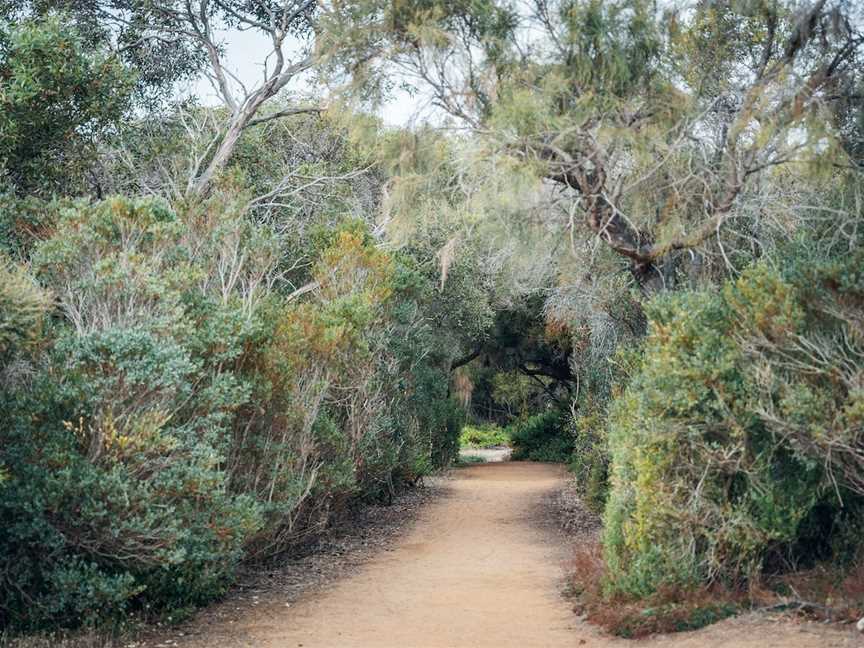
[477,570]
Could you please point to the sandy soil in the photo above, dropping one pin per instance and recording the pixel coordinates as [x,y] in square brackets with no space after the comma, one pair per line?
[477,569]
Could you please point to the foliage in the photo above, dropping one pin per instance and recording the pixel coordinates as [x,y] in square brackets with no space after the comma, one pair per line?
[484,436]
[652,121]
[668,610]
[154,65]
[22,310]
[116,493]
[540,438]
[179,417]
[219,325]
[56,96]
[737,430]
[589,461]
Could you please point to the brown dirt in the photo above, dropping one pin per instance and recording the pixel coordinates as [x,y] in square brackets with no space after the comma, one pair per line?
[479,568]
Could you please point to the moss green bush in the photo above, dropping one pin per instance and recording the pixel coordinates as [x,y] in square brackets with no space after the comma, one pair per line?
[738,426]
[542,437]
[483,436]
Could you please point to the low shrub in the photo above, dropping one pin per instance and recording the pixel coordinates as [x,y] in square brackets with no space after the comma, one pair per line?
[485,436]
[542,437]
[667,610]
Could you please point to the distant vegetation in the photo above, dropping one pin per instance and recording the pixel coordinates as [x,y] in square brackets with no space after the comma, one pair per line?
[541,437]
[483,436]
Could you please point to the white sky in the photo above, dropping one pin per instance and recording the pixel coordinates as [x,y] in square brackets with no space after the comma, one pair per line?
[244,56]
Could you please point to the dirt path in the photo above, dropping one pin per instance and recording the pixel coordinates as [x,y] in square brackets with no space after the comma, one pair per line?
[476,570]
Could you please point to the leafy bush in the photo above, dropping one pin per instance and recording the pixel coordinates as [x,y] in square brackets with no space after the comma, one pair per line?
[542,437]
[589,461]
[22,310]
[116,493]
[486,436]
[738,427]
[178,418]
[58,92]
[105,510]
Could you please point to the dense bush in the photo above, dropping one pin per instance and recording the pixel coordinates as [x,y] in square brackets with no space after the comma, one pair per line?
[22,310]
[483,436]
[735,448]
[117,490]
[178,417]
[541,437]
[589,461]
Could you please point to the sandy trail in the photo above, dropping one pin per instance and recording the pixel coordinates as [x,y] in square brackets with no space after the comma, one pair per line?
[476,570]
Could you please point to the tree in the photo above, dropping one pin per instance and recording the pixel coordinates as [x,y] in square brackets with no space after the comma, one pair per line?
[294,31]
[125,29]
[56,97]
[653,124]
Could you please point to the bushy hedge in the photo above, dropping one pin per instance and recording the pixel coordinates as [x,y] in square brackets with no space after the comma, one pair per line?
[589,461]
[178,412]
[541,437]
[736,447]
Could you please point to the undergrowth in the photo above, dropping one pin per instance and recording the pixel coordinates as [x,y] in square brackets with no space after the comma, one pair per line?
[102,638]
[825,593]
[542,437]
[483,436]
[667,610]
[468,460]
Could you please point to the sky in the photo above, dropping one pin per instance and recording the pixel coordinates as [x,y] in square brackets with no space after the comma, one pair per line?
[244,56]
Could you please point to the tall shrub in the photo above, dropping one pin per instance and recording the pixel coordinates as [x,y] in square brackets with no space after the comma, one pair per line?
[116,492]
[740,428]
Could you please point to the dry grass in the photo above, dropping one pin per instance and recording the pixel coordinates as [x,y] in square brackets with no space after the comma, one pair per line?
[825,593]
[669,610]
[79,639]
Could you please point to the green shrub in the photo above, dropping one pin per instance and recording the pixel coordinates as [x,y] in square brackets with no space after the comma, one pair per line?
[736,428]
[542,437]
[589,461]
[59,91]
[115,498]
[117,494]
[174,418]
[22,310]
[486,436]
[445,439]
